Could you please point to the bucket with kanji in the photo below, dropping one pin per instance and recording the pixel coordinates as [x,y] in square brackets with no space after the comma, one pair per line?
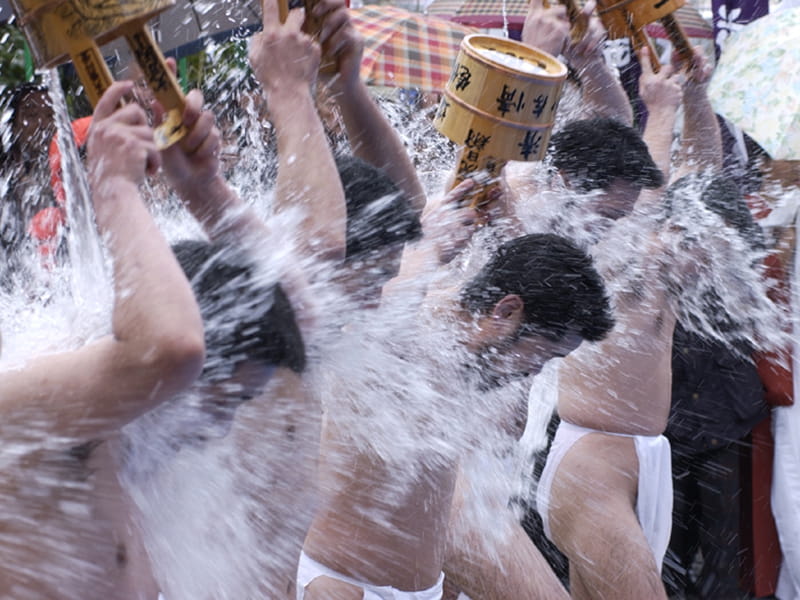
[49,25]
[62,30]
[499,104]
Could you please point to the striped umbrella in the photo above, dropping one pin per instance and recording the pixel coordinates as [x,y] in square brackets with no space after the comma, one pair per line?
[481,13]
[693,23]
[406,49]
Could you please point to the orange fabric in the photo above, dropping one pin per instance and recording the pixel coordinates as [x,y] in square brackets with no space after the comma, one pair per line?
[45,224]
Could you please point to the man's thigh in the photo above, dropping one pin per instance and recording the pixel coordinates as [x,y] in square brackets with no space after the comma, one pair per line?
[594,489]
[327,588]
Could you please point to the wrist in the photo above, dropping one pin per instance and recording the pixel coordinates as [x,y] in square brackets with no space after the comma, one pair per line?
[662,110]
[109,192]
[345,85]
[283,101]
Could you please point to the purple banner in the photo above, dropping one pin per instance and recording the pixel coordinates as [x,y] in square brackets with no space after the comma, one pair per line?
[731,15]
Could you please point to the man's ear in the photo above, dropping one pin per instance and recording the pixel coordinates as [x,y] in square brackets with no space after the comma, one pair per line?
[564,178]
[510,308]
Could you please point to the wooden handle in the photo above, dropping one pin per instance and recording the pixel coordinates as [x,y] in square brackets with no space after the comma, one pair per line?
[163,83]
[678,38]
[640,40]
[478,197]
[91,67]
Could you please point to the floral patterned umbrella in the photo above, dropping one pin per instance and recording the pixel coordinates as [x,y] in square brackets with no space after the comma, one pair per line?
[756,84]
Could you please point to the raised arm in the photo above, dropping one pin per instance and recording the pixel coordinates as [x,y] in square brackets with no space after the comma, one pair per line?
[701,143]
[601,90]
[447,227]
[548,28]
[156,348]
[661,93]
[192,168]
[371,136]
[285,61]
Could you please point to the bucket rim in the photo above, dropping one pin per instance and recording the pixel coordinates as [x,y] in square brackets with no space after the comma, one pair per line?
[469,47]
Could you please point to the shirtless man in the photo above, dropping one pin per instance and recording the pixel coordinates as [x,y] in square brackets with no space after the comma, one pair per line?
[272,447]
[605,495]
[65,532]
[373,539]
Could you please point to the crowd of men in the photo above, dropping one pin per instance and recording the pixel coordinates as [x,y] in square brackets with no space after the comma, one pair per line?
[335,384]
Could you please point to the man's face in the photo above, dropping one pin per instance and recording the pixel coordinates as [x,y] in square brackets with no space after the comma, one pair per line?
[522,356]
[363,277]
[617,200]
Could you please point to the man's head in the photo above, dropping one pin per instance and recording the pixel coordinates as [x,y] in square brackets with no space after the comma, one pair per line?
[250,328]
[31,122]
[380,220]
[537,298]
[603,154]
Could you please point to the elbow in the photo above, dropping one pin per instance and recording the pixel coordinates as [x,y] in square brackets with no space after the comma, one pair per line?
[179,357]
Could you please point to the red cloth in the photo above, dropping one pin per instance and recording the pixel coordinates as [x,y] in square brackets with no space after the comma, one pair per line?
[46,225]
[775,370]
[766,547]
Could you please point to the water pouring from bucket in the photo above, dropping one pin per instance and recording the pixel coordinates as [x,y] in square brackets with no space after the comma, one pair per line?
[499,105]
[58,31]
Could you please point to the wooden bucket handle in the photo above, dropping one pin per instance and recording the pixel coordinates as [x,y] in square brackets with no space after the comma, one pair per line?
[678,37]
[96,77]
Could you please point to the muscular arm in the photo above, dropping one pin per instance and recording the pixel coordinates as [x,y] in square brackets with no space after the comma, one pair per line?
[285,61]
[156,348]
[661,94]
[371,136]
[701,146]
[602,93]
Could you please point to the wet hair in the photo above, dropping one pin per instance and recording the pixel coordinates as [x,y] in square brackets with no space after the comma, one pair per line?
[594,152]
[722,196]
[21,92]
[245,319]
[757,160]
[561,290]
[378,213]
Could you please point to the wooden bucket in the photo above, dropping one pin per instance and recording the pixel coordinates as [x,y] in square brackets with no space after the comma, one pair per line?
[59,30]
[49,25]
[623,18]
[499,105]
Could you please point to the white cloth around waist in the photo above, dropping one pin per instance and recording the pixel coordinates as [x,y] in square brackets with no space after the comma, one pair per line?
[308,570]
[654,491]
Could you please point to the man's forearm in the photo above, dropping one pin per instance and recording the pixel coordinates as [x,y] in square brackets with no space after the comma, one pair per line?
[307,173]
[374,140]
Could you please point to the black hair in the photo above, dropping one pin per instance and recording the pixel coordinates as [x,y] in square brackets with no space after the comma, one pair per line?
[249,321]
[378,213]
[561,290]
[21,92]
[757,160]
[722,196]
[595,152]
